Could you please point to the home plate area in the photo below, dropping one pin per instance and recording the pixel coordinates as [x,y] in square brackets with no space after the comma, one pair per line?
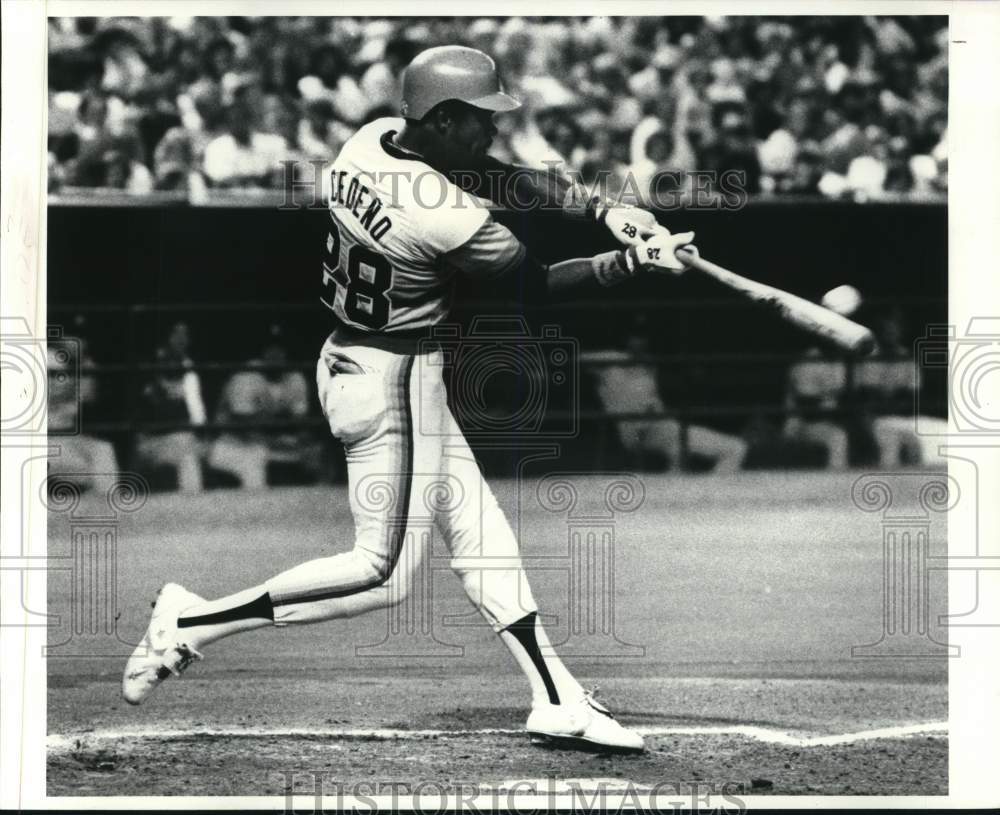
[739,760]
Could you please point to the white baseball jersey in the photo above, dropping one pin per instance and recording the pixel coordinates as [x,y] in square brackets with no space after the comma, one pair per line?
[399,231]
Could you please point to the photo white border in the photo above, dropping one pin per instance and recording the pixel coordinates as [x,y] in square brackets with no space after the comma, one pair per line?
[974,259]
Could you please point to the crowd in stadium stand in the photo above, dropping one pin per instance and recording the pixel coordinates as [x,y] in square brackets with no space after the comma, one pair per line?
[843,106]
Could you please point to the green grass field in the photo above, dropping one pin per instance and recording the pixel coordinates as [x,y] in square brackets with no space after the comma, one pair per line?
[736,603]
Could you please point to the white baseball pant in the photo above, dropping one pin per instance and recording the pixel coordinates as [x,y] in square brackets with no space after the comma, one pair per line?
[409,470]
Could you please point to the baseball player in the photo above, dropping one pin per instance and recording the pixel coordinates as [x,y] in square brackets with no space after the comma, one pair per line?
[400,232]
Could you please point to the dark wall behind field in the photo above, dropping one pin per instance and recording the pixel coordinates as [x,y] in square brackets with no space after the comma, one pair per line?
[218,257]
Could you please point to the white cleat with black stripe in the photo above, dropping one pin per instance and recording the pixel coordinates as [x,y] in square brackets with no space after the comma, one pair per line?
[583,725]
[161,654]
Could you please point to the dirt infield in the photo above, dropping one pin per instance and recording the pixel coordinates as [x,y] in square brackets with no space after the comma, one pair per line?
[274,765]
[731,649]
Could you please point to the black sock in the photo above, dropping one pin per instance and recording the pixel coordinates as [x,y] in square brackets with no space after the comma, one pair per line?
[260,608]
[524,631]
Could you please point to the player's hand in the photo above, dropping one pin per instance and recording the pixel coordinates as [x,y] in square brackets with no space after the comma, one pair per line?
[630,225]
[657,253]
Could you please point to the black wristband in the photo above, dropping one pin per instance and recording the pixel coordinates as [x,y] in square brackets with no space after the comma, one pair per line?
[612,268]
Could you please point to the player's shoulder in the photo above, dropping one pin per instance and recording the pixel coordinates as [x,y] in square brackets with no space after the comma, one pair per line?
[448,215]
[369,138]
[440,214]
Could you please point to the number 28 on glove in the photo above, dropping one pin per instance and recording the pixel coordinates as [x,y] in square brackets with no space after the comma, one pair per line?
[657,253]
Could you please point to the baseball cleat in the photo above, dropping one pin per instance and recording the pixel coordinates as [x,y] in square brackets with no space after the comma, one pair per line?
[583,725]
[160,654]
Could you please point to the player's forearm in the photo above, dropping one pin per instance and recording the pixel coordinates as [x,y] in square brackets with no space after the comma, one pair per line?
[582,276]
[552,190]
[526,189]
[570,278]
[560,193]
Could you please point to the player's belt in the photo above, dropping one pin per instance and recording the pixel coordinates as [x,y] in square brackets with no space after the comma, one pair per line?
[412,342]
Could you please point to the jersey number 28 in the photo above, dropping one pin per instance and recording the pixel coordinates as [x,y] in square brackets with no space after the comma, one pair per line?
[366,280]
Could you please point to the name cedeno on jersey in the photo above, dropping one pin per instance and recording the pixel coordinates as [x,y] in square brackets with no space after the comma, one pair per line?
[352,200]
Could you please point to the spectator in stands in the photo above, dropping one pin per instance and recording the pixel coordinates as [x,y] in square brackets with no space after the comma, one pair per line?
[320,135]
[243,157]
[107,150]
[173,397]
[628,384]
[174,160]
[330,78]
[651,158]
[278,116]
[806,173]
[694,111]
[92,118]
[203,115]
[220,59]
[272,393]
[813,394]
[381,83]
[887,384]
[122,43]
[734,148]
[113,163]
[81,455]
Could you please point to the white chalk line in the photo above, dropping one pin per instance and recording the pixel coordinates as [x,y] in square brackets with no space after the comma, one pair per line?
[69,742]
[769,736]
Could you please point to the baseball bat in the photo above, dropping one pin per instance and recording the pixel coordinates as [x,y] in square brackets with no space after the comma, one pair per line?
[813,318]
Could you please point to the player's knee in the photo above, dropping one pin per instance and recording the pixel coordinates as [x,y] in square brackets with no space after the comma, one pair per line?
[375,565]
[363,568]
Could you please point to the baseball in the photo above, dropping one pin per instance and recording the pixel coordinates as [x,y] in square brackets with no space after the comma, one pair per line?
[844,300]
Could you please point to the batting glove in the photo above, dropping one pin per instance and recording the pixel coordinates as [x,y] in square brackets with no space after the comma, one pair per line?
[657,253]
[630,225]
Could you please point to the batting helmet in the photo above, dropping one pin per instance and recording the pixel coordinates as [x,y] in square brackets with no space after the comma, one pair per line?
[452,72]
